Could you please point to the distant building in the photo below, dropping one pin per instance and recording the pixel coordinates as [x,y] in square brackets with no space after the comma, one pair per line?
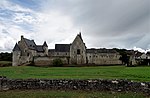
[26,51]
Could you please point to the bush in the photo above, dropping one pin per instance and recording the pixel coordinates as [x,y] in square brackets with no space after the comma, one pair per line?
[57,63]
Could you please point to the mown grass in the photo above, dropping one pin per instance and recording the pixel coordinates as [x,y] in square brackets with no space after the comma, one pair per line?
[68,94]
[5,63]
[102,72]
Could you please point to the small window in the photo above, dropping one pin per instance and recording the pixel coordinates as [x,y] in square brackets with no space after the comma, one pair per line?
[57,53]
[28,54]
[78,51]
[66,53]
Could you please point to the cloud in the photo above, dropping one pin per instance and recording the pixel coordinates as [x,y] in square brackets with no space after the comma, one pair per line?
[104,23]
[116,23]
[15,21]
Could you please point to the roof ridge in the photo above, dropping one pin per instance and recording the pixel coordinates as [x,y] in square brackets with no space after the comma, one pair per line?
[16,48]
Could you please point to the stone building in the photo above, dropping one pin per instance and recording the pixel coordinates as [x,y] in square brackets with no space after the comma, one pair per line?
[26,51]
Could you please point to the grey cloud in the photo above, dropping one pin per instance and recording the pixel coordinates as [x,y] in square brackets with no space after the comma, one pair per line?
[106,19]
[104,23]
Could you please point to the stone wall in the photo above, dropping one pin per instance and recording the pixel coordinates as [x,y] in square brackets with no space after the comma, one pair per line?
[48,61]
[68,84]
[103,58]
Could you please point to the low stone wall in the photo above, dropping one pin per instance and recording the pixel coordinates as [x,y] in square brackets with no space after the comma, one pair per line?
[48,61]
[68,84]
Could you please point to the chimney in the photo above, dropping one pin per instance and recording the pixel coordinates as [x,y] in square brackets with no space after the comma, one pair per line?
[22,37]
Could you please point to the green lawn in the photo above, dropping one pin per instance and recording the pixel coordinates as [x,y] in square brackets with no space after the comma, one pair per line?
[67,94]
[104,72]
[5,63]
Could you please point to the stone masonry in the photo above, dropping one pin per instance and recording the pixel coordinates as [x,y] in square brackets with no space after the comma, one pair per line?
[26,51]
[71,84]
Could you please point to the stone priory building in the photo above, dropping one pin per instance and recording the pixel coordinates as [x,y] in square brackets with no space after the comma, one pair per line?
[26,51]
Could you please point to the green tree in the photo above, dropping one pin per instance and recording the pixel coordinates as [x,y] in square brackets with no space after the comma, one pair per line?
[124,58]
[5,56]
[57,62]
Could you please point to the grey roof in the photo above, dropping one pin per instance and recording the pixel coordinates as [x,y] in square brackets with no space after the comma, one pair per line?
[45,44]
[39,48]
[16,48]
[51,50]
[103,50]
[30,43]
[62,47]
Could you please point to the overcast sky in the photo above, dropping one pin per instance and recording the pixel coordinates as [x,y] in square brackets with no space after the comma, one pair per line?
[103,23]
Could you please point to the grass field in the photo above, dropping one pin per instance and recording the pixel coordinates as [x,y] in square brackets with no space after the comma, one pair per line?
[5,63]
[103,72]
[67,94]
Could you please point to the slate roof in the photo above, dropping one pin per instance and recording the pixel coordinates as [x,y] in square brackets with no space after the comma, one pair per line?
[138,54]
[101,51]
[62,47]
[16,48]
[39,48]
[51,50]
[45,44]
[30,43]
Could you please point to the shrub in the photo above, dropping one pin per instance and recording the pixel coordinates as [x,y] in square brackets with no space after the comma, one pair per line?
[57,62]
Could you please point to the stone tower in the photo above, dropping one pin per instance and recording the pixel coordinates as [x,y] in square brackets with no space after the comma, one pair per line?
[16,55]
[78,51]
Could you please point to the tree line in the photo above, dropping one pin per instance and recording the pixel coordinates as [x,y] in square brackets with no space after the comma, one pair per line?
[5,56]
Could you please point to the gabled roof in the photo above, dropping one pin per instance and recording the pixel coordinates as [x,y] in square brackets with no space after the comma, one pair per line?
[30,43]
[45,44]
[62,47]
[16,48]
[101,51]
[39,48]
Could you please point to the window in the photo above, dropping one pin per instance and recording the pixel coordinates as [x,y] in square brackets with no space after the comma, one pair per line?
[57,53]
[28,54]
[78,51]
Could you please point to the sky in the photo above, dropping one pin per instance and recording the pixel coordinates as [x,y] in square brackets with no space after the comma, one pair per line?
[102,23]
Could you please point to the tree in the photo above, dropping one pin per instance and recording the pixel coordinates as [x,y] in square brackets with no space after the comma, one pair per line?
[57,62]
[5,56]
[124,58]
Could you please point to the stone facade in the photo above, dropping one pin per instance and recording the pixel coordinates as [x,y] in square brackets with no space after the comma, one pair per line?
[78,51]
[26,51]
[103,57]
